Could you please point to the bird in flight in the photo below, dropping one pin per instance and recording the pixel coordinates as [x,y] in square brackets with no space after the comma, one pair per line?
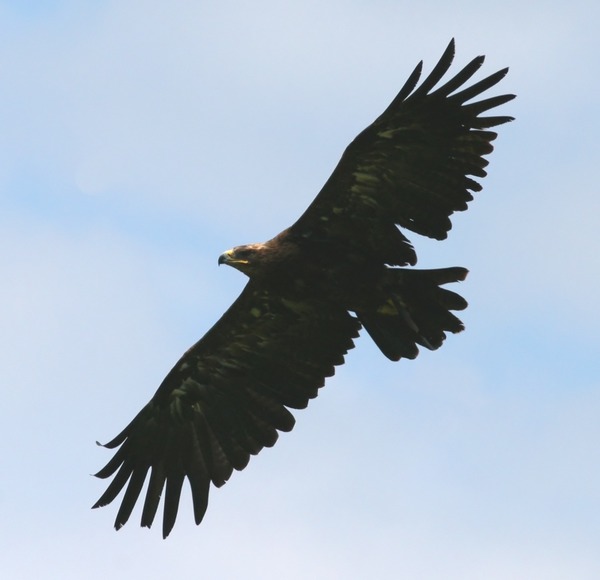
[341,267]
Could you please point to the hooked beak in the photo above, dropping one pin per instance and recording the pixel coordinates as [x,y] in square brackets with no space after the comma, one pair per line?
[225,257]
[229,258]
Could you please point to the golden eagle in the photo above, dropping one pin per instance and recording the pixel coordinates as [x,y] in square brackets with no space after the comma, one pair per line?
[311,289]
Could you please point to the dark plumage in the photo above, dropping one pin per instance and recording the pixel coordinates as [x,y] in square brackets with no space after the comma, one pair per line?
[311,289]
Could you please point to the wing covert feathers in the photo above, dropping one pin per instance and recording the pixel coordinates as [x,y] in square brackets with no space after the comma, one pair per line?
[414,166]
[225,400]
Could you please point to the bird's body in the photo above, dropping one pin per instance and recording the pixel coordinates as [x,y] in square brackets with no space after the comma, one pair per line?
[311,289]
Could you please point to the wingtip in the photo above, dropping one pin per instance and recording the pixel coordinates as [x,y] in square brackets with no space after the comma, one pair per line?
[167,530]
[450,51]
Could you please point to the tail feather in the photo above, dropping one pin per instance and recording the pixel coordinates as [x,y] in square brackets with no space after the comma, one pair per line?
[416,311]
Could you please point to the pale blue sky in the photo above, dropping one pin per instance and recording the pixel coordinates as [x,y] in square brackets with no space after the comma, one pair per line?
[138,140]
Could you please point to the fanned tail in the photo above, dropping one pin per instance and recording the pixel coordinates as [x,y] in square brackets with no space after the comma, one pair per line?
[416,311]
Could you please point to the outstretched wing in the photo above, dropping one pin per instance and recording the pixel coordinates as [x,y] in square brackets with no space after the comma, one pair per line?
[225,400]
[412,167]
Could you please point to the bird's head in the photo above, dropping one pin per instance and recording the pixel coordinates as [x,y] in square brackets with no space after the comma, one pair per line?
[242,258]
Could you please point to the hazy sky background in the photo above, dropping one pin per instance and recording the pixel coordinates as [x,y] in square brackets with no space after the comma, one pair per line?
[140,139]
